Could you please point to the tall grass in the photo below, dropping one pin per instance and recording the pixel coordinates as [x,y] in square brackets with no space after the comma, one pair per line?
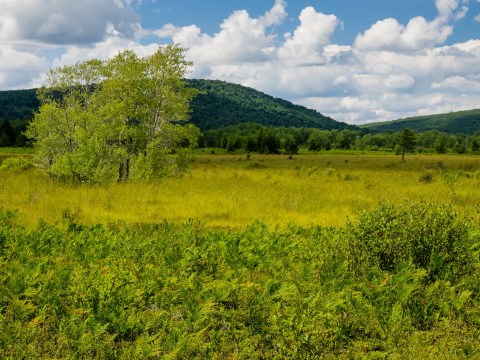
[226,190]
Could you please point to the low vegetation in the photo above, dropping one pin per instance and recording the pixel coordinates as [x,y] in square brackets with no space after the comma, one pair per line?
[235,190]
[398,282]
[334,256]
[465,122]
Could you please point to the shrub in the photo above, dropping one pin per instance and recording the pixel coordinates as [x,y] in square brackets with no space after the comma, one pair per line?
[432,237]
[16,163]
[427,177]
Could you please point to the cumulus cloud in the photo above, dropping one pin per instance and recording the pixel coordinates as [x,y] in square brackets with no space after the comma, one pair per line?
[241,39]
[310,37]
[459,83]
[66,22]
[417,34]
[389,34]
[19,69]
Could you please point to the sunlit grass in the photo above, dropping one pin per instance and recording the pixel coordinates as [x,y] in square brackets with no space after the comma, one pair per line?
[229,190]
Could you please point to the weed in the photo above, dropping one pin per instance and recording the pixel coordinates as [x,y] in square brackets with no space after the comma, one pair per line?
[427,177]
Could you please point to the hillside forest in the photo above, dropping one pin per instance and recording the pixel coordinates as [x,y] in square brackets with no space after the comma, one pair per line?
[241,119]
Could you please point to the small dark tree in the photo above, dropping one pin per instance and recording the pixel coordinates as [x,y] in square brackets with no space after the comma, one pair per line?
[441,144]
[406,141]
[7,134]
[291,146]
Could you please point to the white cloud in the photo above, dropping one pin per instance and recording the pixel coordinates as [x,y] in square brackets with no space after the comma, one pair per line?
[108,48]
[65,22]
[446,8]
[275,15]
[459,83]
[390,35]
[19,69]
[418,34]
[309,39]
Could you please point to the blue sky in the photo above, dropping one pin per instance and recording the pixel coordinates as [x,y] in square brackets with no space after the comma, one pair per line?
[356,61]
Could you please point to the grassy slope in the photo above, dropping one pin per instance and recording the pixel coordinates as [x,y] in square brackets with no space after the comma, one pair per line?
[466,122]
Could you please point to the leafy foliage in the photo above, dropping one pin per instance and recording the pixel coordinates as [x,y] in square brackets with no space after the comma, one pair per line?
[224,104]
[402,282]
[100,120]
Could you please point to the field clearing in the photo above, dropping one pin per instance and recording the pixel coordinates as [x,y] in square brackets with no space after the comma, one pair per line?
[231,191]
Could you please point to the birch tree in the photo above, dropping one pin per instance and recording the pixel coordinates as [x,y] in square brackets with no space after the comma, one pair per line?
[115,119]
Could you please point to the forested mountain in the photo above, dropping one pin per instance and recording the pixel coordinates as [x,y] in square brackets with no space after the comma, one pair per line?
[466,122]
[18,104]
[223,104]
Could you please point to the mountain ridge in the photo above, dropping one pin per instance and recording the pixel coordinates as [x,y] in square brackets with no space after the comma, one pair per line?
[465,121]
[224,104]
[220,104]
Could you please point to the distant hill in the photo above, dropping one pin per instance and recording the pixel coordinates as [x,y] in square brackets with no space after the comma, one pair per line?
[466,122]
[225,104]
[222,104]
[18,104]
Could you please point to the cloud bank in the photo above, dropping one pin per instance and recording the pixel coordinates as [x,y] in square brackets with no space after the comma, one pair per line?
[391,70]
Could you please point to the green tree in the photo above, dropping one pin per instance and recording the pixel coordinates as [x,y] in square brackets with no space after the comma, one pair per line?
[114,119]
[7,134]
[441,144]
[406,141]
[319,139]
[291,146]
[346,139]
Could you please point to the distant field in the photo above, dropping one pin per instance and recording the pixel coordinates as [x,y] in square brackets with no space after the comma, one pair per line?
[231,191]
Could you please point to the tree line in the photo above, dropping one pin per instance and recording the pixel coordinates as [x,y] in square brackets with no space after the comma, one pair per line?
[253,137]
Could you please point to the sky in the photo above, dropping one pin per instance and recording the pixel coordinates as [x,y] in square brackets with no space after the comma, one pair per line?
[357,61]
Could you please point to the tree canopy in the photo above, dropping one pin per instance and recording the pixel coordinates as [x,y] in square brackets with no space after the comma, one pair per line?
[115,119]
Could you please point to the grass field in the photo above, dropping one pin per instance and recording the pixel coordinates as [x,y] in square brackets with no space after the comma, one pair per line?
[229,261]
[229,190]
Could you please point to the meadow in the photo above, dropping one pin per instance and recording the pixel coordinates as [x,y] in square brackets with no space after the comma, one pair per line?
[231,191]
[336,256]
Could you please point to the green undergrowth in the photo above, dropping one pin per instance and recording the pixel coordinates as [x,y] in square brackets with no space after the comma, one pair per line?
[401,282]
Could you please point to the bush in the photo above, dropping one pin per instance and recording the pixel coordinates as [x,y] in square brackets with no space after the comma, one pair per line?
[16,163]
[147,291]
[429,236]
[427,177]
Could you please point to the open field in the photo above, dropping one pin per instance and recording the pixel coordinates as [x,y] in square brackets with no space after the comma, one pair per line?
[180,268]
[229,190]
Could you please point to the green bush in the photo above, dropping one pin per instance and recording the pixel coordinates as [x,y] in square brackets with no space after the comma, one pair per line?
[427,177]
[16,163]
[429,236]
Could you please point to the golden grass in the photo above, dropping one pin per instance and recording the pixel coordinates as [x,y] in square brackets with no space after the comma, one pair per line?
[228,190]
